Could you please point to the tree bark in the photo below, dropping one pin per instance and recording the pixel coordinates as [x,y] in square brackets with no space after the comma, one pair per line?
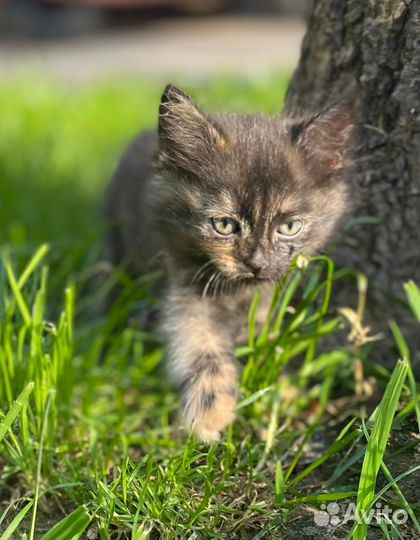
[373,47]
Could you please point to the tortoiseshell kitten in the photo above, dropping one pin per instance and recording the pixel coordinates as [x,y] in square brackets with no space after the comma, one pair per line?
[228,201]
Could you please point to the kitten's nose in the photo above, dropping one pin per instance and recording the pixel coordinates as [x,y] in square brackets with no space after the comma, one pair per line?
[257,263]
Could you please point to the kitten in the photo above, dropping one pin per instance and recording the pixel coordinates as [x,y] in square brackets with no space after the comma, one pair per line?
[227,201]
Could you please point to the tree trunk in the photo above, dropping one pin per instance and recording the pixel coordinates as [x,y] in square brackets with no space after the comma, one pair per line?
[373,47]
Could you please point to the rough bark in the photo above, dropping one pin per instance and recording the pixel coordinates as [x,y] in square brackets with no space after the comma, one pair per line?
[373,47]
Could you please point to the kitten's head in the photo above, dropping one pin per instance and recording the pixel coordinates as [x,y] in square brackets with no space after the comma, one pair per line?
[241,196]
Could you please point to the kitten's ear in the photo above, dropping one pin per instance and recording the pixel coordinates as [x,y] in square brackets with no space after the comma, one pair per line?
[186,134]
[175,102]
[325,138]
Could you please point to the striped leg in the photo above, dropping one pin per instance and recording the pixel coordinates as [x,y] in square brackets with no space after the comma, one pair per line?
[201,362]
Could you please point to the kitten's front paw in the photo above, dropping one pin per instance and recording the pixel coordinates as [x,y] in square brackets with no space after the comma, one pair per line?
[205,435]
[210,420]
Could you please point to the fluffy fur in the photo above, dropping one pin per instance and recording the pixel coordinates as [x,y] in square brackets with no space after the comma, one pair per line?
[255,175]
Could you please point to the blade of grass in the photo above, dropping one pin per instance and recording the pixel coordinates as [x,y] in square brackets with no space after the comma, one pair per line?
[23,308]
[15,409]
[321,497]
[14,524]
[405,353]
[39,464]
[32,264]
[337,446]
[376,447]
[71,527]
[393,483]
[253,397]
[413,295]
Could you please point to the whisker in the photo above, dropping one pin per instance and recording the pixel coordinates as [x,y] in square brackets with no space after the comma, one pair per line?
[208,284]
[201,271]
[223,285]
[219,284]
[214,285]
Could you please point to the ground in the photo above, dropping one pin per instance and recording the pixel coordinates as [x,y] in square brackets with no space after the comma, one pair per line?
[90,442]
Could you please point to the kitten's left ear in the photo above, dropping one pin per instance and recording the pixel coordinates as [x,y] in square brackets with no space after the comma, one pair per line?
[186,134]
[325,138]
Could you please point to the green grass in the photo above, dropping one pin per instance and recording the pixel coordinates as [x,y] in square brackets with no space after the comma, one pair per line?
[90,444]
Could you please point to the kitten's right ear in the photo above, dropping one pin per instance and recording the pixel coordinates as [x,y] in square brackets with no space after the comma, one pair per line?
[186,134]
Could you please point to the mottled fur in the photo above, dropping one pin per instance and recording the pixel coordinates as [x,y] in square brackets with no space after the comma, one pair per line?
[169,187]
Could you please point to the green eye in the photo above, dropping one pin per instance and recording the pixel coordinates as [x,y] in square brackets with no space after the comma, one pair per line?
[225,226]
[291,228]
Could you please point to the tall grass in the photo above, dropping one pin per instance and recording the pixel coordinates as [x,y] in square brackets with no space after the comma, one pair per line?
[94,426]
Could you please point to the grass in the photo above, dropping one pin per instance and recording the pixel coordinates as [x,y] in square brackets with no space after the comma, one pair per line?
[90,445]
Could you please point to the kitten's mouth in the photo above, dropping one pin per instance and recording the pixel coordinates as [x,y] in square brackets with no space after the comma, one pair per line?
[250,278]
[215,281]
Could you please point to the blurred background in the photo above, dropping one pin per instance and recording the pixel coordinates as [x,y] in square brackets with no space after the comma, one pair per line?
[81,41]
[79,79]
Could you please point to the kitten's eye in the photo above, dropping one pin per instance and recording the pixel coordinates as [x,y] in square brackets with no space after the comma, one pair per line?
[225,226]
[291,228]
